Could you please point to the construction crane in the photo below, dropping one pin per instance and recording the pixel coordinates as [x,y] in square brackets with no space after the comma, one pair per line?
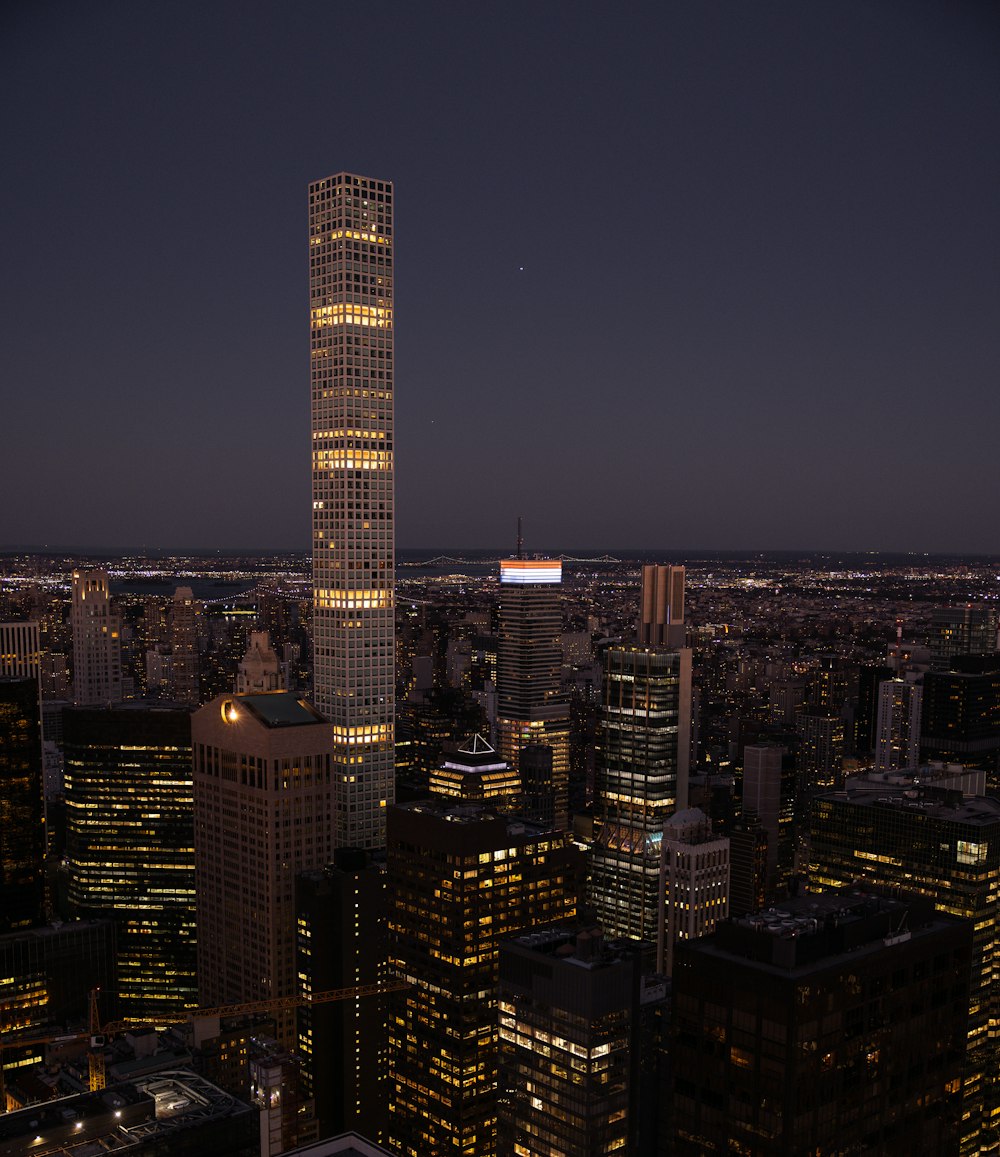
[98,1033]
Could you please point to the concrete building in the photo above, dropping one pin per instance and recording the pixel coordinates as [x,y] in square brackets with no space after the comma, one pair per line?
[822,746]
[661,608]
[97,651]
[287,1112]
[351,325]
[264,811]
[897,732]
[531,708]
[694,880]
[259,670]
[185,619]
[461,879]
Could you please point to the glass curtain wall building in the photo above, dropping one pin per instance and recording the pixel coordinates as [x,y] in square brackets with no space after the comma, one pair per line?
[130,847]
[933,842]
[641,779]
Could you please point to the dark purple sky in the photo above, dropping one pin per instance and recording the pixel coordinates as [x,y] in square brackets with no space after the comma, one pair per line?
[760,297]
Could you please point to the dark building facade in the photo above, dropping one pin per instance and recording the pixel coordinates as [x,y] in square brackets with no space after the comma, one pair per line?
[837,1026]
[130,847]
[46,973]
[461,879]
[571,1033]
[341,931]
[966,630]
[961,715]
[22,822]
[934,842]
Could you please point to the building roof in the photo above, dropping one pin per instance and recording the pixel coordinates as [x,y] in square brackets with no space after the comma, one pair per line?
[941,804]
[822,929]
[346,1145]
[279,709]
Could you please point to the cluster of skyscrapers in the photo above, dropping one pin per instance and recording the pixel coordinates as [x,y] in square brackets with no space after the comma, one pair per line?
[482,970]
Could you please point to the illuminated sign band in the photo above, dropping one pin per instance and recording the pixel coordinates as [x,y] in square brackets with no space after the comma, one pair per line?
[530,570]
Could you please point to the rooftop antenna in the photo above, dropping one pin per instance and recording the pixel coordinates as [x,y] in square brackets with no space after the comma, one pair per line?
[520,540]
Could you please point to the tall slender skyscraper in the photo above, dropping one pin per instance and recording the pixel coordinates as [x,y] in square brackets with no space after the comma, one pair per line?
[97,648]
[643,758]
[531,707]
[350,312]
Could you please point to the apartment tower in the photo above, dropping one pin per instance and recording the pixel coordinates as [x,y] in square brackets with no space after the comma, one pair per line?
[350,312]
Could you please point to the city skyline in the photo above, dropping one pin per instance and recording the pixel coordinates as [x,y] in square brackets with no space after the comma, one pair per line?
[741,256]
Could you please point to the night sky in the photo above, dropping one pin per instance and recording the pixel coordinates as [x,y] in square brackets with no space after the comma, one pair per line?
[668,275]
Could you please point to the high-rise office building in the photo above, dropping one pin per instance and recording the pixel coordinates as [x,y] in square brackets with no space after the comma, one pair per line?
[341,926]
[694,880]
[263,808]
[641,779]
[836,1027]
[97,648]
[823,737]
[47,972]
[966,630]
[892,831]
[22,822]
[537,801]
[769,793]
[461,880]
[570,1025]
[747,866]
[870,678]
[897,732]
[351,329]
[185,613]
[531,707]
[130,847]
[476,774]
[960,715]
